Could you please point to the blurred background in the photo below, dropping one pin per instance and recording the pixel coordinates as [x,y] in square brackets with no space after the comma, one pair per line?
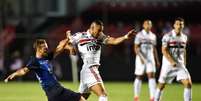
[22,21]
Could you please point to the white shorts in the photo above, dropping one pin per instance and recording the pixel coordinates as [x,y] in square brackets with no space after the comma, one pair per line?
[89,76]
[140,68]
[168,73]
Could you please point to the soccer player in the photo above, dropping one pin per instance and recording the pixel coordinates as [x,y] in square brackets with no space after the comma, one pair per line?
[40,64]
[146,56]
[89,46]
[174,61]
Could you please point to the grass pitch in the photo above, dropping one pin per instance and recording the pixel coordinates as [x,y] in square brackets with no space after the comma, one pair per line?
[117,91]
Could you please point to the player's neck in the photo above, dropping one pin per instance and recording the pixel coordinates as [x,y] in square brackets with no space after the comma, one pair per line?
[146,30]
[38,55]
[178,32]
[95,36]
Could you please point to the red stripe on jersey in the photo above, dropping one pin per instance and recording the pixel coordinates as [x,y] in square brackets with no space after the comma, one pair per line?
[85,40]
[176,42]
[84,32]
[97,77]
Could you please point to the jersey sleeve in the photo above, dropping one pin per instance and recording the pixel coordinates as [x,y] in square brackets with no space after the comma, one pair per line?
[32,64]
[137,39]
[165,40]
[75,38]
[103,38]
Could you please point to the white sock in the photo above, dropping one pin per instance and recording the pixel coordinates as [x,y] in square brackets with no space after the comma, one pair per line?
[152,87]
[158,94]
[137,87]
[102,98]
[187,94]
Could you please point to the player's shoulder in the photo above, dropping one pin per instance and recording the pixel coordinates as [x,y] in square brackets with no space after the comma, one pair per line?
[139,34]
[184,36]
[168,34]
[80,33]
[32,60]
[153,34]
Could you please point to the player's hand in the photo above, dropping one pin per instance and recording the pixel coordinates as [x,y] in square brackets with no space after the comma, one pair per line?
[174,64]
[68,35]
[143,61]
[131,34]
[10,77]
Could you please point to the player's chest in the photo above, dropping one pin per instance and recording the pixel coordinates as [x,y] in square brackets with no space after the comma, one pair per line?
[147,39]
[177,41]
[88,43]
[46,65]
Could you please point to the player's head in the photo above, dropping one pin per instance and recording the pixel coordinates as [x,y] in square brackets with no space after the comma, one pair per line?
[147,25]
[96,28]
[40,46]
[179,24]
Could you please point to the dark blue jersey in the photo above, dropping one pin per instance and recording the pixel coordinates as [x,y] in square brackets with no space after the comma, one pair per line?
[43,70]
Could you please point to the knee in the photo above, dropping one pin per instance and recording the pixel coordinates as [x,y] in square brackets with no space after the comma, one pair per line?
[104,93]
[139,77]
[86,95]
[150,75]
[188,85]
[161,86]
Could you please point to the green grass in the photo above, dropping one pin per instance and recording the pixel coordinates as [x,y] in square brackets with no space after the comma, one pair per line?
[117,91]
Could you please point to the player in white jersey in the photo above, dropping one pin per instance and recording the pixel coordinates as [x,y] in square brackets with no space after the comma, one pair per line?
[174,61]
[146,55]
[89,46]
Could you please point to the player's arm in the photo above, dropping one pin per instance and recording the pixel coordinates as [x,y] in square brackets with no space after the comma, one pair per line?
[60,47]
[115,41]
[70,48]
[64,44]
[156,57]
[168,56]
[138,52]
[18,73]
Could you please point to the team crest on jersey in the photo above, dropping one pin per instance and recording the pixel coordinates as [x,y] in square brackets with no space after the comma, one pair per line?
[47,66]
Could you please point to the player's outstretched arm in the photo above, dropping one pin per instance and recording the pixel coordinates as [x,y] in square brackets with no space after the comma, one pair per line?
[168,56]
[115,41]
[60,47]
[69,45]
[62,44]
[19,72]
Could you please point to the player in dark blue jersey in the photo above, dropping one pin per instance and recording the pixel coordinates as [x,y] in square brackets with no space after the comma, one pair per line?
[40,64]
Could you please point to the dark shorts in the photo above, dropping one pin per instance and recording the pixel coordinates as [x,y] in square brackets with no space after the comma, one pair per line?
[59,93]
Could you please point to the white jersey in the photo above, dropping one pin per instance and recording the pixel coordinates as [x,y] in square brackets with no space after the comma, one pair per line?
[89,47]
[147,42]
[176,46]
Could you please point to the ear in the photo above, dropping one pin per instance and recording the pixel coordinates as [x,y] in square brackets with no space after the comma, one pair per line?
[92,26]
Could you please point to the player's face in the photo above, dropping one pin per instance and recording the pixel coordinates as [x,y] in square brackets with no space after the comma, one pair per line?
[147,25]
[96,29]
[178,25]
[43,49]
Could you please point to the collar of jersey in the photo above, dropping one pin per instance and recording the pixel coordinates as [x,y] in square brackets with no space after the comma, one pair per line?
[174,33]
[145,33]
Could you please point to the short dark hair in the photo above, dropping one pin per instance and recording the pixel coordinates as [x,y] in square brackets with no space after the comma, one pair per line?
[38,42]
[146,20]
[98,22]
[179,19]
